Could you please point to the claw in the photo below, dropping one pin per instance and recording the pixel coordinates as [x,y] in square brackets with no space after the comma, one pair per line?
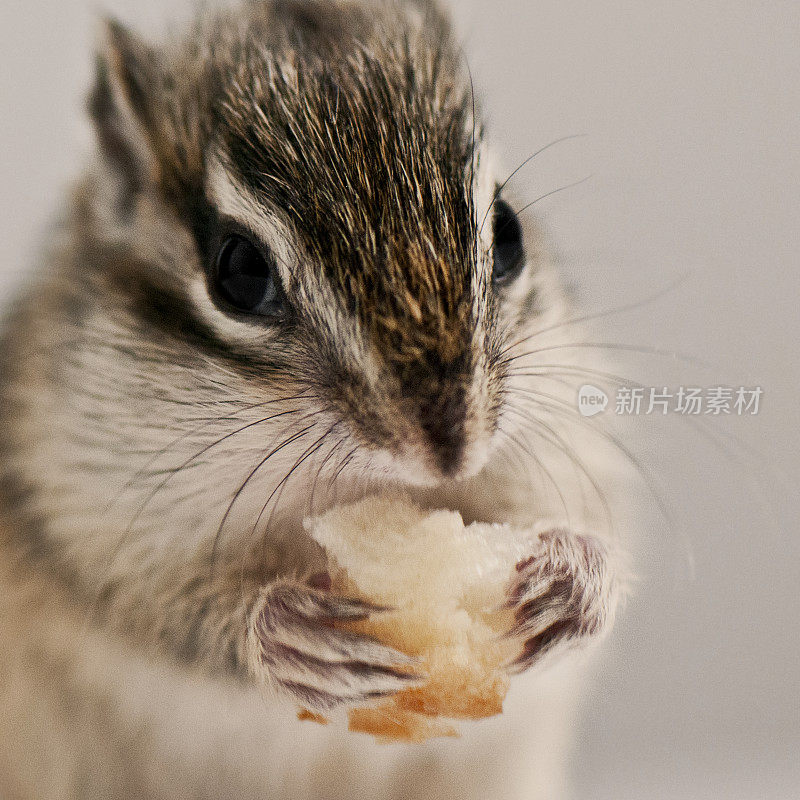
[331,644]
[539,645]
[319,700]
[287,663]
[319,663]
[309,603]
[562,594]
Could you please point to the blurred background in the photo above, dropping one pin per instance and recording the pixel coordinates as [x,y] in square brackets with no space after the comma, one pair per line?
[691,112]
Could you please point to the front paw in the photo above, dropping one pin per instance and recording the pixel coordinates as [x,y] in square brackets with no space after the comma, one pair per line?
[297,650]
[563,595]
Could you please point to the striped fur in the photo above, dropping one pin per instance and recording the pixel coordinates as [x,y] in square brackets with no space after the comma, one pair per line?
[158,452]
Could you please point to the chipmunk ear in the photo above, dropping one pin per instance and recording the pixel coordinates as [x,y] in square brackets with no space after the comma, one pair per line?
[127,73]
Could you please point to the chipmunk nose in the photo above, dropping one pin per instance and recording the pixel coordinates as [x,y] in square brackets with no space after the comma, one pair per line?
[443,422]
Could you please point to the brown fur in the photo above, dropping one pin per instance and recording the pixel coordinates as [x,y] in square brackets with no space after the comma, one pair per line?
[158,451]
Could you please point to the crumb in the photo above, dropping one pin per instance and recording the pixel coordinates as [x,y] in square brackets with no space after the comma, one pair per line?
[304,715]
[387,724]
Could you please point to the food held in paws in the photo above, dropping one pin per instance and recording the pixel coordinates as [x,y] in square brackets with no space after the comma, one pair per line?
[445,585]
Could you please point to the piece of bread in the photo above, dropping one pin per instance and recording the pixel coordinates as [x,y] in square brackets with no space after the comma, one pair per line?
[446,584]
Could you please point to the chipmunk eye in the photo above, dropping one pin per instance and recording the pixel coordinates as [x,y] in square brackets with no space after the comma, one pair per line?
[247,280]
[509,253]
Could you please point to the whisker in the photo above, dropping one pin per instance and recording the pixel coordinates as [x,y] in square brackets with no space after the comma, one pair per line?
[527,419]
[92,609]
[540,198]
[558,405]
[521,166]
[513,450]
[342,466]
[331,453]
[163,451]
[602,314]
[285,443]
[561,444]
[310,450]
[717,438]
[313,448]
[529,452]
[622,347]
[201,453]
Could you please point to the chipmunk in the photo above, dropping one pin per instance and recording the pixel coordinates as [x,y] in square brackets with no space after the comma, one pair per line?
[292,275]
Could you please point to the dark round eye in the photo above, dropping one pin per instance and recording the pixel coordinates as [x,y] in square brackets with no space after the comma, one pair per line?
[246,280]
[509,253]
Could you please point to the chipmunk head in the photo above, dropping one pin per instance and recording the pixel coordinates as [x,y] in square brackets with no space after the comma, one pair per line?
[302,197]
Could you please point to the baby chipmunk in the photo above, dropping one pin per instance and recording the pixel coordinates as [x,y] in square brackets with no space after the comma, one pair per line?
[292,276]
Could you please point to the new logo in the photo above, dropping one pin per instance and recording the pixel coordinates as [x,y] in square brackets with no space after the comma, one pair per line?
[591,400]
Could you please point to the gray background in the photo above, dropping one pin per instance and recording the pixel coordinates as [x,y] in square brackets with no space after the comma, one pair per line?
[692,112]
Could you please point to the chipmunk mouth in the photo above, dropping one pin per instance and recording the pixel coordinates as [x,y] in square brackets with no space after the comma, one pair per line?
[419,462]
[434,438]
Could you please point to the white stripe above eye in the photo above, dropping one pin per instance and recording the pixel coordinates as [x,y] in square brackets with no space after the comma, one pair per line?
[234,200]
[309,288]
